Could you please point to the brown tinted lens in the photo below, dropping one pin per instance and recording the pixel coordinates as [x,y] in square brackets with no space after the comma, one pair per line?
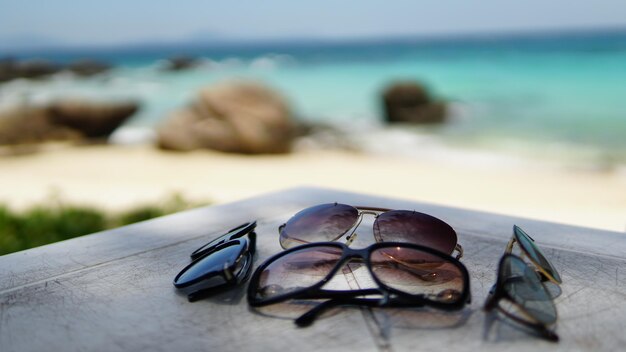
[413,227]
[325,222]
[297,270]
[416,272]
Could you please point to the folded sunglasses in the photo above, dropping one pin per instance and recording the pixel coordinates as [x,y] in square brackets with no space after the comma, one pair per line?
[520,291]
[332,221]
[222,263]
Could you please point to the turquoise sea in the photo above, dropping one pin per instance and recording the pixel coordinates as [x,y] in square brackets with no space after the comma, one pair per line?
[555,94]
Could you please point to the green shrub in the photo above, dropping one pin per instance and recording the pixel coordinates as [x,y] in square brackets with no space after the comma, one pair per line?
[140,214]
[54,221]
[10,241]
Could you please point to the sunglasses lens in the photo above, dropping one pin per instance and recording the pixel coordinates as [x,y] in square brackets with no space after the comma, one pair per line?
[535,254]
[417,272]
[297,270]
[413,227]
[524,287]
[212,264]
[320,223]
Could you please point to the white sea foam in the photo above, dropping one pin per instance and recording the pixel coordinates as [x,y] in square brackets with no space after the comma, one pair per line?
[271,62]
[133,136]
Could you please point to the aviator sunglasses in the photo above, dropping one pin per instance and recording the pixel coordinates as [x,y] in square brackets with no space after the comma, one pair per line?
[404,274]
[220,264]
[332,221]
[520,291]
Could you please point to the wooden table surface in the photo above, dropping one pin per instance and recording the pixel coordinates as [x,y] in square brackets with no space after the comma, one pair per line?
[112,291]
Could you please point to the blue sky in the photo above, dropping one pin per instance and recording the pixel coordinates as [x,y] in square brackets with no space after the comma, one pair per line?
[106,22]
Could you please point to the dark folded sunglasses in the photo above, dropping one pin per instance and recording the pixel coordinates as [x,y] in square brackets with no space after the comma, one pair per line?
[405,275]
[220,264]
[520,295]
[329,222]
[520,291]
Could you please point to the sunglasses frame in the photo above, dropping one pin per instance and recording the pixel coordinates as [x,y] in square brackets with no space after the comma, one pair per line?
[390,297]
[541,270]
[235,232]
[242,236]
[376,212]
[498,293]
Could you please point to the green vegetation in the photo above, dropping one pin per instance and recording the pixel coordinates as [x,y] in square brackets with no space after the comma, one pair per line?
[55,221]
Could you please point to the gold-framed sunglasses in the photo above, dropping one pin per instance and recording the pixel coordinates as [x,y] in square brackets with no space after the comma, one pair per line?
[521,292]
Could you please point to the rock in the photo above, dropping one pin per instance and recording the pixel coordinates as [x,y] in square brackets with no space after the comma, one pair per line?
[410,102]
[237,117]
[91,119]
[88,67]
[7,69]
[66,120]
[31,125]
[179,63]
[35,68]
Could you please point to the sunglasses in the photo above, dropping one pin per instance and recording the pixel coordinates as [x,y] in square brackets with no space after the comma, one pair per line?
[222,263]
[523,289]
[520,295]
[404,274]
[533,253]
[329,222]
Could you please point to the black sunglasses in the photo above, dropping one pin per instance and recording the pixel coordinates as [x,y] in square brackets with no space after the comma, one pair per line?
[520,295]
[406,275]
[220,264]
[329,222]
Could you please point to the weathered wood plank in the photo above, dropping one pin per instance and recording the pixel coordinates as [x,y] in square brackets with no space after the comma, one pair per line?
[113,291]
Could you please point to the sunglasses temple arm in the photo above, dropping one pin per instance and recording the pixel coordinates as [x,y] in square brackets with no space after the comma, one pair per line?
[492,299]
[459,249]
[309,317]
[509,246]
[252,247]
[549,334]
[336,298]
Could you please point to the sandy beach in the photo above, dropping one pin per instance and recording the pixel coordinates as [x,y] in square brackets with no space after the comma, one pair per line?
[117,177]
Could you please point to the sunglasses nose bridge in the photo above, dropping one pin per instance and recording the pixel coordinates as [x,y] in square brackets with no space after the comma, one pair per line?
[351,254]
[369,212]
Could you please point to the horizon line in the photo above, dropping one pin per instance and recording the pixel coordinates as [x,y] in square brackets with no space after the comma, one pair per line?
[317,39]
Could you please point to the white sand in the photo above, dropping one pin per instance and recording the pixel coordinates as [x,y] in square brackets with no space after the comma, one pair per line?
[118,177]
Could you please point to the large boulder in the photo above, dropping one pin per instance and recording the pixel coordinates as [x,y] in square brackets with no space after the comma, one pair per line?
[63,120]
[411,102]
[29,125]
[92,119]
[237,117]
